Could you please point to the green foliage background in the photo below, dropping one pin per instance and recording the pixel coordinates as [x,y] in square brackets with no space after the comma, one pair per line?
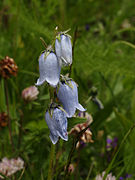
[104,57]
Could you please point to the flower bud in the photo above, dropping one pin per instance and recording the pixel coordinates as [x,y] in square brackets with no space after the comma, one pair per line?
[57,123]
[71,168]
[8,67]
[63,48]
[68,95]
[49,69]
[30,93]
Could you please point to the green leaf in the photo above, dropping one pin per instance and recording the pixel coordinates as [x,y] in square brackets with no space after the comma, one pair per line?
[75,120]
[36,125]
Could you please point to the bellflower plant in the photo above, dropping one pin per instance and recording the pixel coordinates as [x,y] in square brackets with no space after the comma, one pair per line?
[57,123]
[63,48]
[68,96]
[49,69]
[66,89]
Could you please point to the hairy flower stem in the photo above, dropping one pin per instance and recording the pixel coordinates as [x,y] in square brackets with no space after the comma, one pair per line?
[70,157]
[51,92]
[52,153]
[43,42]
[51,163]
[73,47]
[75,140]
[9,121]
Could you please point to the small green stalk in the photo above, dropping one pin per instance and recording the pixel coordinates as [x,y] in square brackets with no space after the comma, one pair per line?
[9,121]
[51,163]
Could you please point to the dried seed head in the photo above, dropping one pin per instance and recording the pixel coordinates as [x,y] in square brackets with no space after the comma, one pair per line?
[86,137]
[3,119]
[8,67]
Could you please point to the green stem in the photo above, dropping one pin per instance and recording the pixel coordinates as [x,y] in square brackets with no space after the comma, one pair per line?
[51,163]
[70,157]
[74,41]
[20,130]
[43,42]
[9,121]
[90,170]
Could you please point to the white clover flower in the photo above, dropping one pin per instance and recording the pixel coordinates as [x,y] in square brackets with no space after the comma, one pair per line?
[10,166]
[30,93]
[57,123]
[109,176]
[68,96]
[49,69]
[63,48]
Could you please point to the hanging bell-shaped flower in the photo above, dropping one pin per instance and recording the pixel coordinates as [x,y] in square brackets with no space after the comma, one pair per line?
[68,95]
[63,48]
[49,69]
[57,123]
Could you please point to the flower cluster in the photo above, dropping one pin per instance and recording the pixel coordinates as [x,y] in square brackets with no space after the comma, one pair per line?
[50,64]
[10,166]
[8,67]
[109,176]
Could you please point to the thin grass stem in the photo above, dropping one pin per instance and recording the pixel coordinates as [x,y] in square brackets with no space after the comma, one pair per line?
[9,121]
[51,163]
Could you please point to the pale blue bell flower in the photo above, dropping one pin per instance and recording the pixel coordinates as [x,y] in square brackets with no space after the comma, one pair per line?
[57,123]
[63,48]
[68,96]
[49,69]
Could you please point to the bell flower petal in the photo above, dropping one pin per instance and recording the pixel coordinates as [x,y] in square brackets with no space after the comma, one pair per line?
[68,96]
[63,48]
[49,69]
[57,124]
[42,71]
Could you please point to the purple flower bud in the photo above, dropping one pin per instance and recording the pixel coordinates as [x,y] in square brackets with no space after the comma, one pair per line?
[109,141]
[121,178]
[57,124]
[128,176]
[68,96]
[49,69]
[87,27]
[63,48]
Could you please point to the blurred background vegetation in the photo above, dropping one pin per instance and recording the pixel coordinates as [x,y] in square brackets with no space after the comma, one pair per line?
[104,58]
